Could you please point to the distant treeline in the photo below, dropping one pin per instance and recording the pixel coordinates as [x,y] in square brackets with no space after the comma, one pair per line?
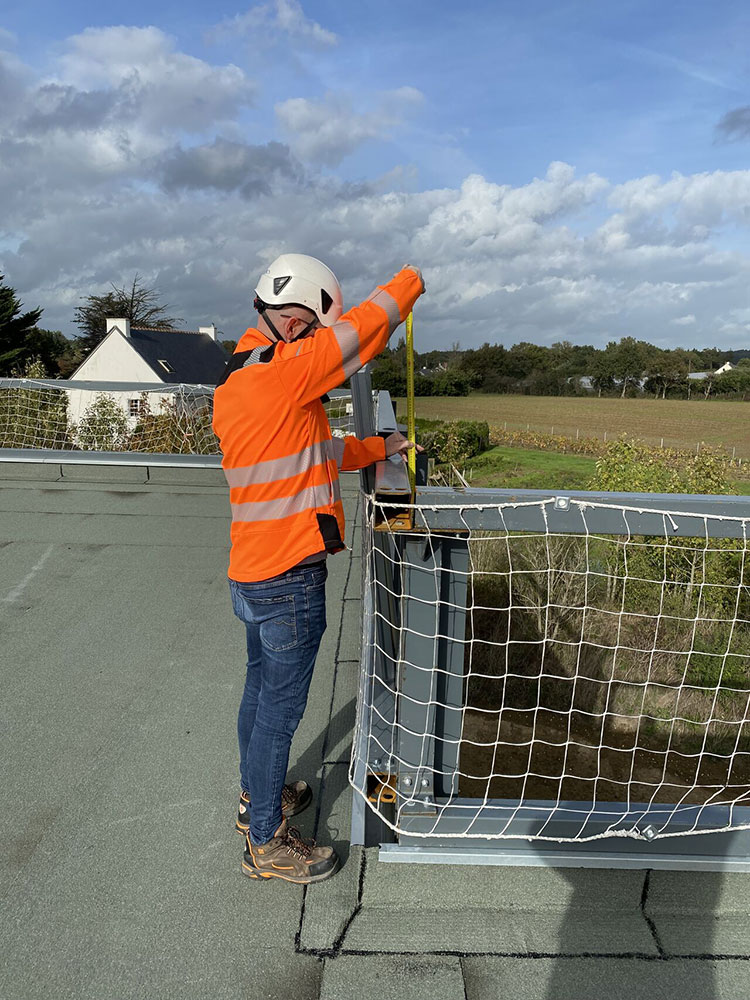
[627,367]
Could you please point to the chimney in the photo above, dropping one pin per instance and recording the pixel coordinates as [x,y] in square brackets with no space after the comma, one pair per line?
[210,330]
[121,325]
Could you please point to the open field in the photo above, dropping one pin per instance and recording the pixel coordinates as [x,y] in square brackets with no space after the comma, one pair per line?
[526,469]
[680,423]
[523,469]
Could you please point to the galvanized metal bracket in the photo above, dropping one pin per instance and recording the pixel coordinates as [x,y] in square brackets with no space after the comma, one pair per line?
[418,789]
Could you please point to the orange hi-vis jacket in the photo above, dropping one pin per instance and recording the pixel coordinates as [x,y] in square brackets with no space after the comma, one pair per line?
[279,457]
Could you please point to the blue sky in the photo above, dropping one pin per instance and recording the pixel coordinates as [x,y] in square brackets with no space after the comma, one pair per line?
[192,143]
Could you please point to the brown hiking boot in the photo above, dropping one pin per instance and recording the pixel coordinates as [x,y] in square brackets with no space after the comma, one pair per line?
[287,856]
[295,798]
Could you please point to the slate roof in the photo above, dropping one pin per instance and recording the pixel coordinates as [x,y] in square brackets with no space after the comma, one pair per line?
[195,358]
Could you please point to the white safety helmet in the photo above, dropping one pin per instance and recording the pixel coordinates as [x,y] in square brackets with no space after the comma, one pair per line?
[296,279]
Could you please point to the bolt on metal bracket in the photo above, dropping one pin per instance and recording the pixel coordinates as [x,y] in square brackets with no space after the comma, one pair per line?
[417,787]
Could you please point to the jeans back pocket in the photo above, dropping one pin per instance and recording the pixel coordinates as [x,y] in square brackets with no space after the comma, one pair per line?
[278,626]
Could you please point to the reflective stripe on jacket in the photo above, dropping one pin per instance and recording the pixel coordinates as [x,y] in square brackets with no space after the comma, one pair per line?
[279,458]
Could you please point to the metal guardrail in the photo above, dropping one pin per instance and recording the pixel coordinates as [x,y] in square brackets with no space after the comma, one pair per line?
[55,456]
[412,677]
[122,386]
[71,453]
[65,385]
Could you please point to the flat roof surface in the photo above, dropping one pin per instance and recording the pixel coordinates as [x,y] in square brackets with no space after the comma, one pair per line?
[122,670]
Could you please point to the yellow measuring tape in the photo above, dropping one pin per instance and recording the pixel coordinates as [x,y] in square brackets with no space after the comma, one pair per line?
[410,425]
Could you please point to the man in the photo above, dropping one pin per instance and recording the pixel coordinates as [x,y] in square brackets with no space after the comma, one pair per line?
[282,464]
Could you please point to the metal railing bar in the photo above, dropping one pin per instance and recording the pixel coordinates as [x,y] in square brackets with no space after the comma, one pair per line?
[55,456]
[105,386]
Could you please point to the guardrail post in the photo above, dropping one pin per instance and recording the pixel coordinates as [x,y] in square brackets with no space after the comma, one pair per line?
[364,419]
[429,699]
[451,653]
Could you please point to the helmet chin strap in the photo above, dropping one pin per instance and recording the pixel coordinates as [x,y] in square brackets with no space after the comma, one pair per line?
[263,310]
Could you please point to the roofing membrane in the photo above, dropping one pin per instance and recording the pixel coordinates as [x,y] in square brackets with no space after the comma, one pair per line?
[122,669]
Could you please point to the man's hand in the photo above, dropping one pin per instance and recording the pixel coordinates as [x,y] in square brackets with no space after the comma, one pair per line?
[397,444]
[415,269]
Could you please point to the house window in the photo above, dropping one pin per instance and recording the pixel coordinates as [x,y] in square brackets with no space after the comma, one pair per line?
[135,407]
[166,365]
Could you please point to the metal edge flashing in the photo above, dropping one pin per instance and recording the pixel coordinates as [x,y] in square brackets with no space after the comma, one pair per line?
[54,456]
[558,857]
[64,385]
[715,849]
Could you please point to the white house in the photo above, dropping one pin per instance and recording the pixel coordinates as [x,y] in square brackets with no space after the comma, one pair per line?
[147,357]
[699,376]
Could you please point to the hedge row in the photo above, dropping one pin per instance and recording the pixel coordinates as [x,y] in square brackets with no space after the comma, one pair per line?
[455,442]
[548,442]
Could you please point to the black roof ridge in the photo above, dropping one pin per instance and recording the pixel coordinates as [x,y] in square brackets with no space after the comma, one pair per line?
[170,329]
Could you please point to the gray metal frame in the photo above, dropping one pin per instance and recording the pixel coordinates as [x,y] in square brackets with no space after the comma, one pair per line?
[55,456]
[430,601]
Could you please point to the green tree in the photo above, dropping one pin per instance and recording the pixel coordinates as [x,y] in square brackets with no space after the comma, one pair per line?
[183,427]
[601,371]
[682,576]
[524,358]
[103,426]
[33,416]
[629,465]
[629,360]
[735,383]
[138,303]
[711,358]
[15,327]
[486,368]
[451,382]
[390,374]
[666,370]
[49,346]
[71,357]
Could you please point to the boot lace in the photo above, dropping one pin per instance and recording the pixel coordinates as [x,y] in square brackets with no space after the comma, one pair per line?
[288,795]
[296,846]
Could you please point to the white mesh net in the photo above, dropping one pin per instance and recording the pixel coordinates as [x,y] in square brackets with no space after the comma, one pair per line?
[340,412]
[556,686]
[173,419]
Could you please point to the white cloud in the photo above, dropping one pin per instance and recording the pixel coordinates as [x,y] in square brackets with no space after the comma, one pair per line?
[172,90]
[117,101]
[269,21]
[493,220]
[702,201]
[229,166]
[326,131]
[133,156]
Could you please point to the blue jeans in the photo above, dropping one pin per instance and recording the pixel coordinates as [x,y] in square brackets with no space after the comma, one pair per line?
[285,619]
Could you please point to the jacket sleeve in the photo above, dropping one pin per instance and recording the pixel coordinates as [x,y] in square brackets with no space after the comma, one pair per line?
[355,453]
[309,368]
